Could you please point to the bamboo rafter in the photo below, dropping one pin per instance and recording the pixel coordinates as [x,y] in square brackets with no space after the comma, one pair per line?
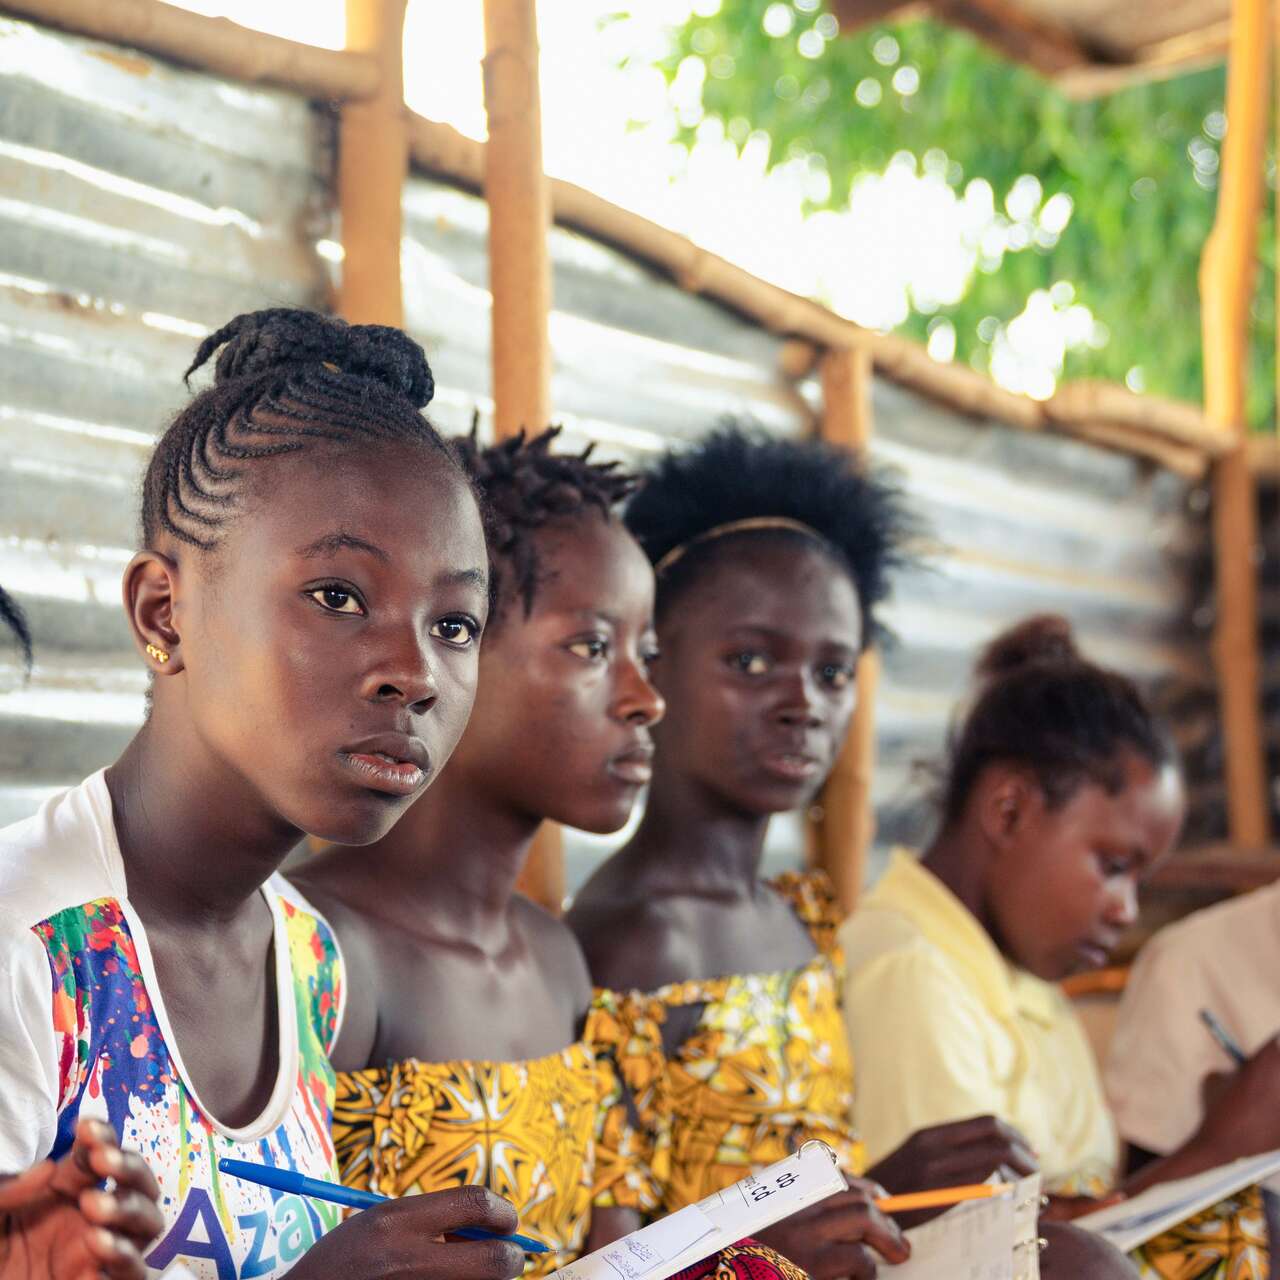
[1171,434]
[210,44]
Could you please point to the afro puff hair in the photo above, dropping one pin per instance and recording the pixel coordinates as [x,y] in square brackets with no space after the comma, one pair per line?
[524,485]
[739,472]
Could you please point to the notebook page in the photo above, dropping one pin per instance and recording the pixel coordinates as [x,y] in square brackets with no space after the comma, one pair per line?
[979,1240]
[758,1201]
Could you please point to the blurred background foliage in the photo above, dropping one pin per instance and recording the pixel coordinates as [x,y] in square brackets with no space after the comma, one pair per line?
[1139,169]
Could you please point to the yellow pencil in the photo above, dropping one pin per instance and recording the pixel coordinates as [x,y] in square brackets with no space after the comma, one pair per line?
[942,1196]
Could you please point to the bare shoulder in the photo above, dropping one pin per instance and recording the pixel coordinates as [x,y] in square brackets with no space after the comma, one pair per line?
[556,950]
[632,944]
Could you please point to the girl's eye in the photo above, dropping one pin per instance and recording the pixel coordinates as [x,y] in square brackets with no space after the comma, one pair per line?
[837,675]
[1112,867]
[751,664]
[337,600]
[459,632]
[591,649]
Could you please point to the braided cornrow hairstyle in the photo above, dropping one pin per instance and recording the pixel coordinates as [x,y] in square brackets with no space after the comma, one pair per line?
[1040,703]
[524,486]
[13,618]
[739,472]
[284,381]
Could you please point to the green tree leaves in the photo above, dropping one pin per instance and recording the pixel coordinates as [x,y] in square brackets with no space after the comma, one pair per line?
[1140,168]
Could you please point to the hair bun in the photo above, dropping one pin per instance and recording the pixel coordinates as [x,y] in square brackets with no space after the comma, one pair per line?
[280,336]
[1045,638]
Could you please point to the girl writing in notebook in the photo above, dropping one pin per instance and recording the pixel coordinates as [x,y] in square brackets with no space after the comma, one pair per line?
[772,561]
[472,1050]
[309,596]
[1061,794]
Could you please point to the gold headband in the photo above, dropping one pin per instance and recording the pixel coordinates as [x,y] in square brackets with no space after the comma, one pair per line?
[736,526]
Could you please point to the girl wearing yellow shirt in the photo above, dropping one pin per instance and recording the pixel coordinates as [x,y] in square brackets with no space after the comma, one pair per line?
[1062,792]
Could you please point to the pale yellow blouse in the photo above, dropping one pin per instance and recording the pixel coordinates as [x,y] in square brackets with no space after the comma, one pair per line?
[942,1028]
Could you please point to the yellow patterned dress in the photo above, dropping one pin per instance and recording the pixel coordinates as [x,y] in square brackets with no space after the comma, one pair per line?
[1226,1242]
[551,1135]
[766,1068]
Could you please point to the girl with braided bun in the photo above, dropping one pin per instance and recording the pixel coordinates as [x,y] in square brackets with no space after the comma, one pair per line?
[309,596]
[773,560]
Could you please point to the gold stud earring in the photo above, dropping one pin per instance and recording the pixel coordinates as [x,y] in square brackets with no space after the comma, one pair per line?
[158,654]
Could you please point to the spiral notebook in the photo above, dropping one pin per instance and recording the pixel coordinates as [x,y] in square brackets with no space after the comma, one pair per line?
[992,1239]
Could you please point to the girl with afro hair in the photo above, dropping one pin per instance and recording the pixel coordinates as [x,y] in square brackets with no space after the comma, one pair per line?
[773,559]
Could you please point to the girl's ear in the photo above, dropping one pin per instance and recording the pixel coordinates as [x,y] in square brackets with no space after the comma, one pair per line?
[150,589]
[1004,796]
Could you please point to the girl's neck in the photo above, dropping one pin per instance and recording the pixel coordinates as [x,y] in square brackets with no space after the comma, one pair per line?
[958,858]
[196,840]
[691,841]
[454,858]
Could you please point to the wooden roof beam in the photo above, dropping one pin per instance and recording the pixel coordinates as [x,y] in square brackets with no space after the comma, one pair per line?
[1048,47]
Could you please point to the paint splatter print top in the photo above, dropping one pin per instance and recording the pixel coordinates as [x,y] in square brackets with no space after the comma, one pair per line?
[83,1032]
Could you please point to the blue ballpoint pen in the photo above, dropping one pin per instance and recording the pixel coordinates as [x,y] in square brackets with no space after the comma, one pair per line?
[1219,1033]
[286,1180]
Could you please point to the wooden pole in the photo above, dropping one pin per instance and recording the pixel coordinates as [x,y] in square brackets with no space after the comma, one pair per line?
[519,218]
[1227,274]
[519,198]
[844,832]
[373,161]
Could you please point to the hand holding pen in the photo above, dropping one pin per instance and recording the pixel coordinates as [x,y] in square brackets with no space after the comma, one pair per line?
[404,1238]
[1242,1113]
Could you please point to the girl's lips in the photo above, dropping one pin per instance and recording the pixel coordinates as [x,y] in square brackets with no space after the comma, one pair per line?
[791,766]
[1094,954]
[633,770]
[382,773]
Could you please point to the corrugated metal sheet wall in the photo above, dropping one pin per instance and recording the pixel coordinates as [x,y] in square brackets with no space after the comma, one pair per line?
[141,205]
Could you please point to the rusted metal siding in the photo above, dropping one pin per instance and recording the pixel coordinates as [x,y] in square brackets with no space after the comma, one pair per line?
[141,205]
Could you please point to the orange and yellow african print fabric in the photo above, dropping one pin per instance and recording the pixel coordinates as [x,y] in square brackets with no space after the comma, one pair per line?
[551,1135]
[1225,1242]
[766,1068]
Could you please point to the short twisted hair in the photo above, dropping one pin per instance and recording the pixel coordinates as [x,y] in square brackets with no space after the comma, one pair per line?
[284,380]
[525,486]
